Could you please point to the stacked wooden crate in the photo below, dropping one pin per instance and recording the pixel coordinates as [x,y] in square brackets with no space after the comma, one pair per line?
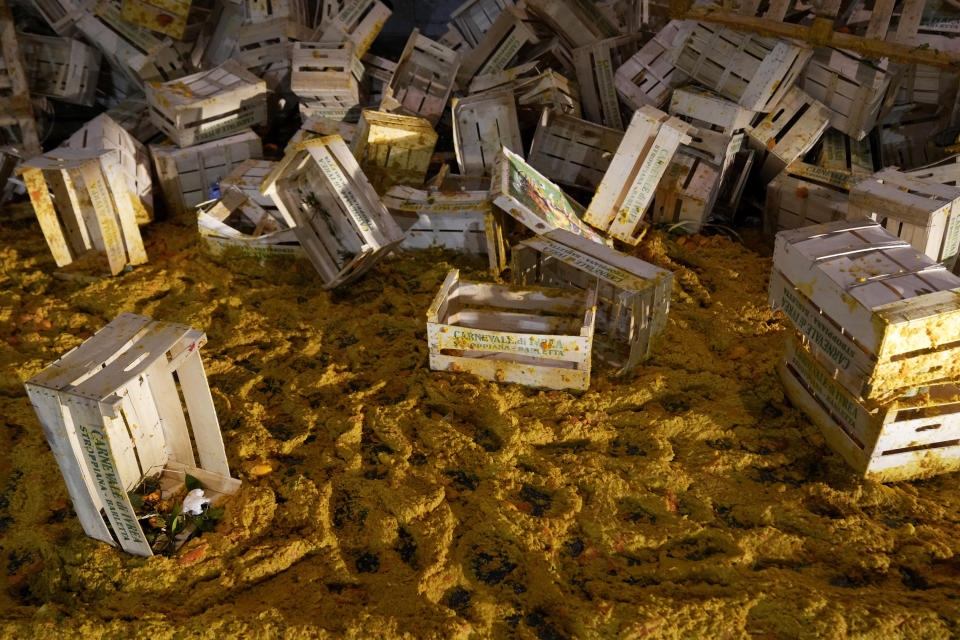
[326,78]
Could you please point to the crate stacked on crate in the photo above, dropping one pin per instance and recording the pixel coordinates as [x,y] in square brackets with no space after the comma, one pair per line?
[264,48]
[238,223]
[571,151]
[61,68]
[339,219]
[393,149]
[596,64]
[805,194]
[874,363]
[706,109]
[422,79]
[112,414]
[649,75]
[791,129]
[326,78]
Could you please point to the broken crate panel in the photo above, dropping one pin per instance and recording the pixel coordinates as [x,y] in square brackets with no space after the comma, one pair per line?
[339,219]
[706,109]
[112,413]
[422,80]
[535,336]
[791,129]
[179,19]
[208,105]
[513,29]
[572,151]
[649,75]
[620,204]
[393,149]
[753,71]
[236,222]
[595,66]
[60,68]
[460,220]
[909,438]
[192,175]
[358,22]
[326,78]
[633,296]
[880,316]
[922,212]
[82,204]
[803,195]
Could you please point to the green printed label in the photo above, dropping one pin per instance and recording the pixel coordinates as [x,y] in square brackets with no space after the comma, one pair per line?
[97,452]
[343,189]
[608,92]
[952,239]
[642,189]
[839,179]
[585,263]
[826,388]
[820,333]
[499,60]
[221,128]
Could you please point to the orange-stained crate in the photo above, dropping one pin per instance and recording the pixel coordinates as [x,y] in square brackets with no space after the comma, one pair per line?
[791,129]
[326,78]
[358,22]
[180,19]
[393,149]
[60,68]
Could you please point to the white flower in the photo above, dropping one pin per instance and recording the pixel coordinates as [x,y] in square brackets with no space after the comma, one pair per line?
[194,502]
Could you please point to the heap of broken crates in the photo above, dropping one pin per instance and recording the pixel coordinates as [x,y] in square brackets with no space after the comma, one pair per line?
[547,135]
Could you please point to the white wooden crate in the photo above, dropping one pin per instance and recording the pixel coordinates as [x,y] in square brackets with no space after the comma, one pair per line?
[260,11]
[538,337]
[791,129]
[922,86]
[595,65]
[708,110]
[247,177]
[393,149]
[132,160]
[840,152]
[454,40]
[460,220]
[95,210]
[111,412]
[633,296]
[180,19]
[60,68]
[190,176]
[577,22]
[621,201]
[551,53]
[881,317]
[804,195]
[910,144]
[326,78]
[237,223]
[925,213]
[649,75]
[512,29]
[208,105]
[359,22]
[265,48]
[572,151]
[223,43]
[754,71]
[422,80]
[473,18]
[339,219]
[905,440]
[377,72]
[547,89]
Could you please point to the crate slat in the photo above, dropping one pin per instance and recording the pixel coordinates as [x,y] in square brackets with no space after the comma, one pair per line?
[708,110]
[393,149]
[791,129]
[359,22]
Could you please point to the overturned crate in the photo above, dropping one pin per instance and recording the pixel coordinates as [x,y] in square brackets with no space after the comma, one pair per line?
[236,222]
[649,75]
[422,80]
[112,414]
[95,209]
[539,337]
[340,221]
[633,297]
[791,129]
[326,78]
[208,105]
[60,68]
[482,125]
[572,151]
[595,65]
[705,109]
[358,22]
[393,149]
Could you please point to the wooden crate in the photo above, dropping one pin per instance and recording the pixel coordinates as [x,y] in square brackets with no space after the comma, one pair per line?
[326,78]
[208,105]
[317,127]
[528,196]
[16,109]
[60,68]
[925,88]
[339,219]
[393,149]
[881,317]
[551,53]
[112,414]
[454,40]
[595,65]
[247,177]
[87,190]
[460,220]
[473,18]
[576,21]
[260,11]
[190,176]
[924,213]
[265,47]
[180,19]
[621,201]
[534,336]
[910,438]
[377,73]
[804,195]
[359,22]
[705,109]
[236,223]
[572,151]
[789,131]
[753,71]
[649,75]
[511,31]
[855,90]
[422,80]
[910,144]
[840,152]
[633,296]
[61,15]
[133,160]
[548,89]
[223,43]
[133,115]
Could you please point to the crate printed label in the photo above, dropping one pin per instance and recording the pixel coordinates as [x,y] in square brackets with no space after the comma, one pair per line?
[444,205]
[825,388]
[332,170]
[503,55]
[585,263]
[820,333]
[212,130]
[833,177]
[951,243]
[472,340]
[642,189]
[608,92]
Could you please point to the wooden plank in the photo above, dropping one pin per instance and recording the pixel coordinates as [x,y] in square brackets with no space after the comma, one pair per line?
[169,408]
[203,417]
[47,216]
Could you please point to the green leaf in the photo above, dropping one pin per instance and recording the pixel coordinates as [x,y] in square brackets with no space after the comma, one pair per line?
[136,500]
[215,513]
[191,482]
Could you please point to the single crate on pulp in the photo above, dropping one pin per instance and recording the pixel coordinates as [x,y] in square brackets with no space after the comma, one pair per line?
[339,220]
[572,151]
[326,78]
[112,413]
[208,105]
[393,149]
[535,336]
[649,75]
[60,68]
[595,65]
[633,296]
[422,80]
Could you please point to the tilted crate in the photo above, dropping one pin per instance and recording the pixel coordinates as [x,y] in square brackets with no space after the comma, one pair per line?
[633,296]
[852,88]
[547,89]
[422,80]
[180,19]
[751,70]
[326,78]
[111,412]
[621,201]
[805,194]
[925,213]
[95,210]
[595,65]
[460,220]
[133,160]
[911,143]
[579,23]
[551,53]
[539,337]
[839,152]
[453,40]
[192,175]
[791,129]
[393,149]
[248,177]
[318,127]
[236,222]
[881,317]
[377,73]
[705,109]
[358,22]
[649,75]
[925,88]
[512,30]
[340,222]
[208,105]
[473,18]
[60,68]
[572,151]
